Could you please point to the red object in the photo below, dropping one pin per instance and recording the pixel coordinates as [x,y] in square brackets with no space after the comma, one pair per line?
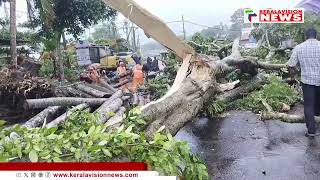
[103,166]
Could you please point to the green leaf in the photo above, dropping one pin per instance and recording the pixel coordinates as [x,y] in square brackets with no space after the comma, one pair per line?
[91,130]
[107,152]
[2,122]
[57,159]
[57,149]
[33,156]
[170,138]
[102,143]
[36,147]
[78,154]
[52,136]
[129,129]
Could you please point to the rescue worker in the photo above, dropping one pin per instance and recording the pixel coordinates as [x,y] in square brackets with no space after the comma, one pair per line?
[93,72]
[122,73]
[138,76]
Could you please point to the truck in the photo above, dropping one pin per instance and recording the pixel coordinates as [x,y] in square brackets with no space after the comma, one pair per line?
[88,53]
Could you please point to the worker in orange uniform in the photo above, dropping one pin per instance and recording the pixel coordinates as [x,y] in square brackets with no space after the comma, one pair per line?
[122,72]
[93,72]
[138,77]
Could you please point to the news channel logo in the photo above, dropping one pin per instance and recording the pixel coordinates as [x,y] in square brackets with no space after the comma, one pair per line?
[269,15]
[251,16]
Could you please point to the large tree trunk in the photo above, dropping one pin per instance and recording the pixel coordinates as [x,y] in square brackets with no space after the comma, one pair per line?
[61,119]
[13,33]
[65,48]
[59,60]
[61,101]
[43,116]
[196,79]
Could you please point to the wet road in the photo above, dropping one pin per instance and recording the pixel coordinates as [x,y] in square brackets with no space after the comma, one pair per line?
[242,147]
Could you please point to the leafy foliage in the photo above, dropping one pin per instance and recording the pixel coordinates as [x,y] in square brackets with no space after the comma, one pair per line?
[212,108]
[106,30]
[81,139]
[275,94]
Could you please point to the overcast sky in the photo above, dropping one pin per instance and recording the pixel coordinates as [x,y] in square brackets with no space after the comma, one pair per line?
[205,12]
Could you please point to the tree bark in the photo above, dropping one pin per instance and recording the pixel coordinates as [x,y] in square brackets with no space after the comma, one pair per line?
[141,100]
[106,110]
[76,93]
[43,116]
[91,91]
[61,101]
[111,105]
[100,88]
[59,60]
[115,121]
[13,32]
[108,86]
[289,118]
[64,43]
[61,119]
[121,83]
[229,96]
[135,100]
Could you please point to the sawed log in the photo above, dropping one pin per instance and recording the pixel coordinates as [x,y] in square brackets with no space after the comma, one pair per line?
[116,120]
[61,101]
[77,93]
[43,116]
[110,106]
[91,91]
[61,119]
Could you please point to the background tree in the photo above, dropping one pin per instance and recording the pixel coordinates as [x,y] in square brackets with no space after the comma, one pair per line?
[237,24]
[106,30]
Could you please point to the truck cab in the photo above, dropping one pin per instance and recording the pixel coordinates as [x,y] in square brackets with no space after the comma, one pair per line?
[89,54]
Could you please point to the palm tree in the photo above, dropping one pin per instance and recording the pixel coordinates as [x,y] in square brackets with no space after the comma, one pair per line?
[13,30]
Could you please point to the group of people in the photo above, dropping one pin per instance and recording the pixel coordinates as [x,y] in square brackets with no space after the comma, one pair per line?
[139,72]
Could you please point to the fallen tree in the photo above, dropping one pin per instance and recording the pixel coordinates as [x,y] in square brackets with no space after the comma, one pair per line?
[61,101]
[196,79]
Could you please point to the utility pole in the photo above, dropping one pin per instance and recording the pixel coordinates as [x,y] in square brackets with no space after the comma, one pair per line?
[134,42]
[126,29]
[183,28]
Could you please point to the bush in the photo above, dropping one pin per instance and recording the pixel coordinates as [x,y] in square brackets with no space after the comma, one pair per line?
[275,94]
[81,139]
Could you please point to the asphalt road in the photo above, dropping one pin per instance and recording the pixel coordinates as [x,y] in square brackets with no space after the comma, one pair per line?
[241,147]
